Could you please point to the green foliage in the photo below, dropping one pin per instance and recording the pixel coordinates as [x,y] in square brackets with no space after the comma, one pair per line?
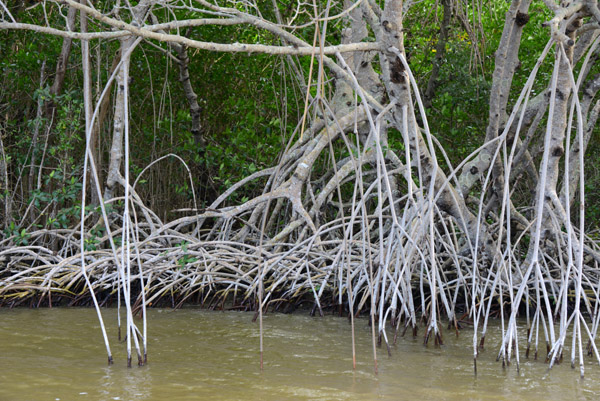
[92,241]
[186,258]
[458,114]
[244,99]
[20,235]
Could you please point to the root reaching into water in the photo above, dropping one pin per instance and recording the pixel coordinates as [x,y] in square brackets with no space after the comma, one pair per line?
[345,221]
[182,262]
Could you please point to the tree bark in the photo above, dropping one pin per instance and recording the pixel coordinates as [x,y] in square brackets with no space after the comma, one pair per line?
[97,129]
[116,151]
[506,63]
[62,63]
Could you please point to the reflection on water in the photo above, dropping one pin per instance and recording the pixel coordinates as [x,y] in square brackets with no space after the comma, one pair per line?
[58,354]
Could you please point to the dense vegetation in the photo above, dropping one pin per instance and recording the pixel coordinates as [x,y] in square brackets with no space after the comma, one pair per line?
[250,105]
[410,160]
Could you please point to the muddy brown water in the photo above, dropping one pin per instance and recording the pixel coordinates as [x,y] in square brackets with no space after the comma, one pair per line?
[58,354]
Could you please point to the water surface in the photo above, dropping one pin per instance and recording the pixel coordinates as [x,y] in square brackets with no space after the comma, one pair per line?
[58,354]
